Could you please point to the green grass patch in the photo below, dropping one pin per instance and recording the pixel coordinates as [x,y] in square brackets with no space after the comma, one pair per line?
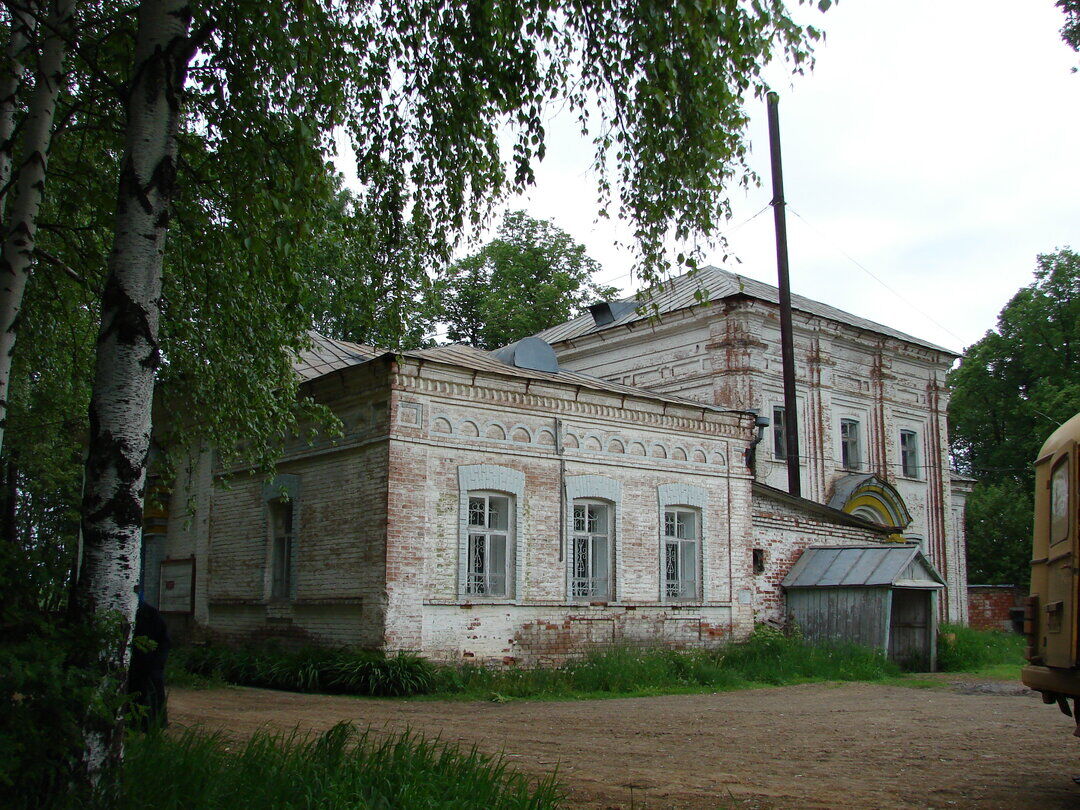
[342,768]
[767,658]
[979,652]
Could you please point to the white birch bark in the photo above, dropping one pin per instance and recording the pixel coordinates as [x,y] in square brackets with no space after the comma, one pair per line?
[127,352]
[20,227]
[11,79]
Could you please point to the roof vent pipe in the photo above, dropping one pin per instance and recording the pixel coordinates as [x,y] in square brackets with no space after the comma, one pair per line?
[607,312]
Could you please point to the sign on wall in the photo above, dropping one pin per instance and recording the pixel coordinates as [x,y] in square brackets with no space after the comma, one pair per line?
[177,591]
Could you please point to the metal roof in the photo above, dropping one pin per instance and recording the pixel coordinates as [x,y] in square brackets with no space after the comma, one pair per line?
[328,355]
[899,564]
[479,360]
[682,292]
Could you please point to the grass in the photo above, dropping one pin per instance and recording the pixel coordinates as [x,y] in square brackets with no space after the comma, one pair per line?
[767,658]
[344,768]
[985,653]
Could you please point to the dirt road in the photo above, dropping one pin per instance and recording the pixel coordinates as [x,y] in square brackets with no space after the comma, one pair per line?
[820,745]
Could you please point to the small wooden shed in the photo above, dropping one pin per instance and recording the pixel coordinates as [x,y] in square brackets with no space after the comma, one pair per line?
[880,596]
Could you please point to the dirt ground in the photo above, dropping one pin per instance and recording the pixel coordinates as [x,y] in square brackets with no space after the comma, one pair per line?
[819,745]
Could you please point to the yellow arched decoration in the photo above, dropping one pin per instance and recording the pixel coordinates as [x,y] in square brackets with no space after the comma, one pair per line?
[872,501]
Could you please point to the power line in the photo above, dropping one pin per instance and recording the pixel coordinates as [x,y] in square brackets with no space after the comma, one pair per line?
[876,278]
[730,230]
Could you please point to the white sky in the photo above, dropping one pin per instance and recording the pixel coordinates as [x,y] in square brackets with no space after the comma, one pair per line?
[935,142]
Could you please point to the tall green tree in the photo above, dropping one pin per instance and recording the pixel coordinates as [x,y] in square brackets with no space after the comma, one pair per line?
[242,100]
[531,276]
[1011,390]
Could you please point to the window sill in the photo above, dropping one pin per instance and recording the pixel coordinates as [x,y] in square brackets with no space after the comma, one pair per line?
[465,604]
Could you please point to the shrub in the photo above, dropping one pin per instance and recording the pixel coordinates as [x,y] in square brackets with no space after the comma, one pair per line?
[961,649]
[311,669]
[342,768]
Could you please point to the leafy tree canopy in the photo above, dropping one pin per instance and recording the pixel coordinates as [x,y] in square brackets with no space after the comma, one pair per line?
[1010,392]
[1070,32]
[531,276]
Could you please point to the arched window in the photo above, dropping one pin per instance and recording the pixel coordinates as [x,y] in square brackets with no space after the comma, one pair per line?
[682,538]
[491,499]
[593,506]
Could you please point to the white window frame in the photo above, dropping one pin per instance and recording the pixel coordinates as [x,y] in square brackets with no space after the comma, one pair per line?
[856,441]
[676,543]
[596,489]
[491,479]
[685,498]
[592,538]
[915,451]
[487,580]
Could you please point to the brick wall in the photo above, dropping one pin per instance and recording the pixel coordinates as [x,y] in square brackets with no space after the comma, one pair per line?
[439,427]
[220,516]
[728,353]
[989,606]
[782,532]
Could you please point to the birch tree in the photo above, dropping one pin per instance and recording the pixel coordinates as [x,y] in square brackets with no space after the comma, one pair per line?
[20,225]
[425,90]
[127,346]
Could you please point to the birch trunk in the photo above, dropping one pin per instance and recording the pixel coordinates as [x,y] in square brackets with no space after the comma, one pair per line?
[127,356]
[20,228]
[11,78]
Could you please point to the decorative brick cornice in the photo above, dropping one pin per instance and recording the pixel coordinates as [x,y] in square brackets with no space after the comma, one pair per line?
[673,416]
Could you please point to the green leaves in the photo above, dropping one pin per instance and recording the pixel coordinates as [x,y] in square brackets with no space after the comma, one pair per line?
[1010,392]
[532,276]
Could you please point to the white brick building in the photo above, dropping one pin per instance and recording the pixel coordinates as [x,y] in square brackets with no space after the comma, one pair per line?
[477,509]
[872,400]
[512,507]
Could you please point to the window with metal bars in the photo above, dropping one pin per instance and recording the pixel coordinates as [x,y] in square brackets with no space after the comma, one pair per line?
[490,538]
[682,553]
[591,552]
[281,548]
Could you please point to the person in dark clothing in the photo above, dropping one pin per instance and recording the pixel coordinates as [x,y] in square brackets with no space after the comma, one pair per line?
[146,678]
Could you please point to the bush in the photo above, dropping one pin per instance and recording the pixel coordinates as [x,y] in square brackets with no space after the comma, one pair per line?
[962,649]
[342,768]
[311,669]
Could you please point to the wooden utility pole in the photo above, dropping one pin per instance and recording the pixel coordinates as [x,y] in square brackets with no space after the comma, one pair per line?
[787,347]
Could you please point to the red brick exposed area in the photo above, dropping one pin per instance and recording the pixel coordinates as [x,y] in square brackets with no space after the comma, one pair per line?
[989,605]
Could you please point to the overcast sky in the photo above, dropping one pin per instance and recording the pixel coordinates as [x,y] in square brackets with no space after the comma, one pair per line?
[935,142]
[934,146]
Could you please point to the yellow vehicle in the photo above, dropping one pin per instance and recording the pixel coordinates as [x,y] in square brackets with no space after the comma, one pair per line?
[1052,610]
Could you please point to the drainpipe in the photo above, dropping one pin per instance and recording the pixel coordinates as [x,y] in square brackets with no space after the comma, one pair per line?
[760,422]
[562,486]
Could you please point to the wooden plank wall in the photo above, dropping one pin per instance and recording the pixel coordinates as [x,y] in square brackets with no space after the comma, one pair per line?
[857,615]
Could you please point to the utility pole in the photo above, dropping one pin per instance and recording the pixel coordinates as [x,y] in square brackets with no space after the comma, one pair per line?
[787,347]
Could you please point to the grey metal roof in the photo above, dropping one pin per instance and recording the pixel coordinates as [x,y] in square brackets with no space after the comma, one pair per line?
[328,355]
[479,360]
[901,564]
[682,292]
